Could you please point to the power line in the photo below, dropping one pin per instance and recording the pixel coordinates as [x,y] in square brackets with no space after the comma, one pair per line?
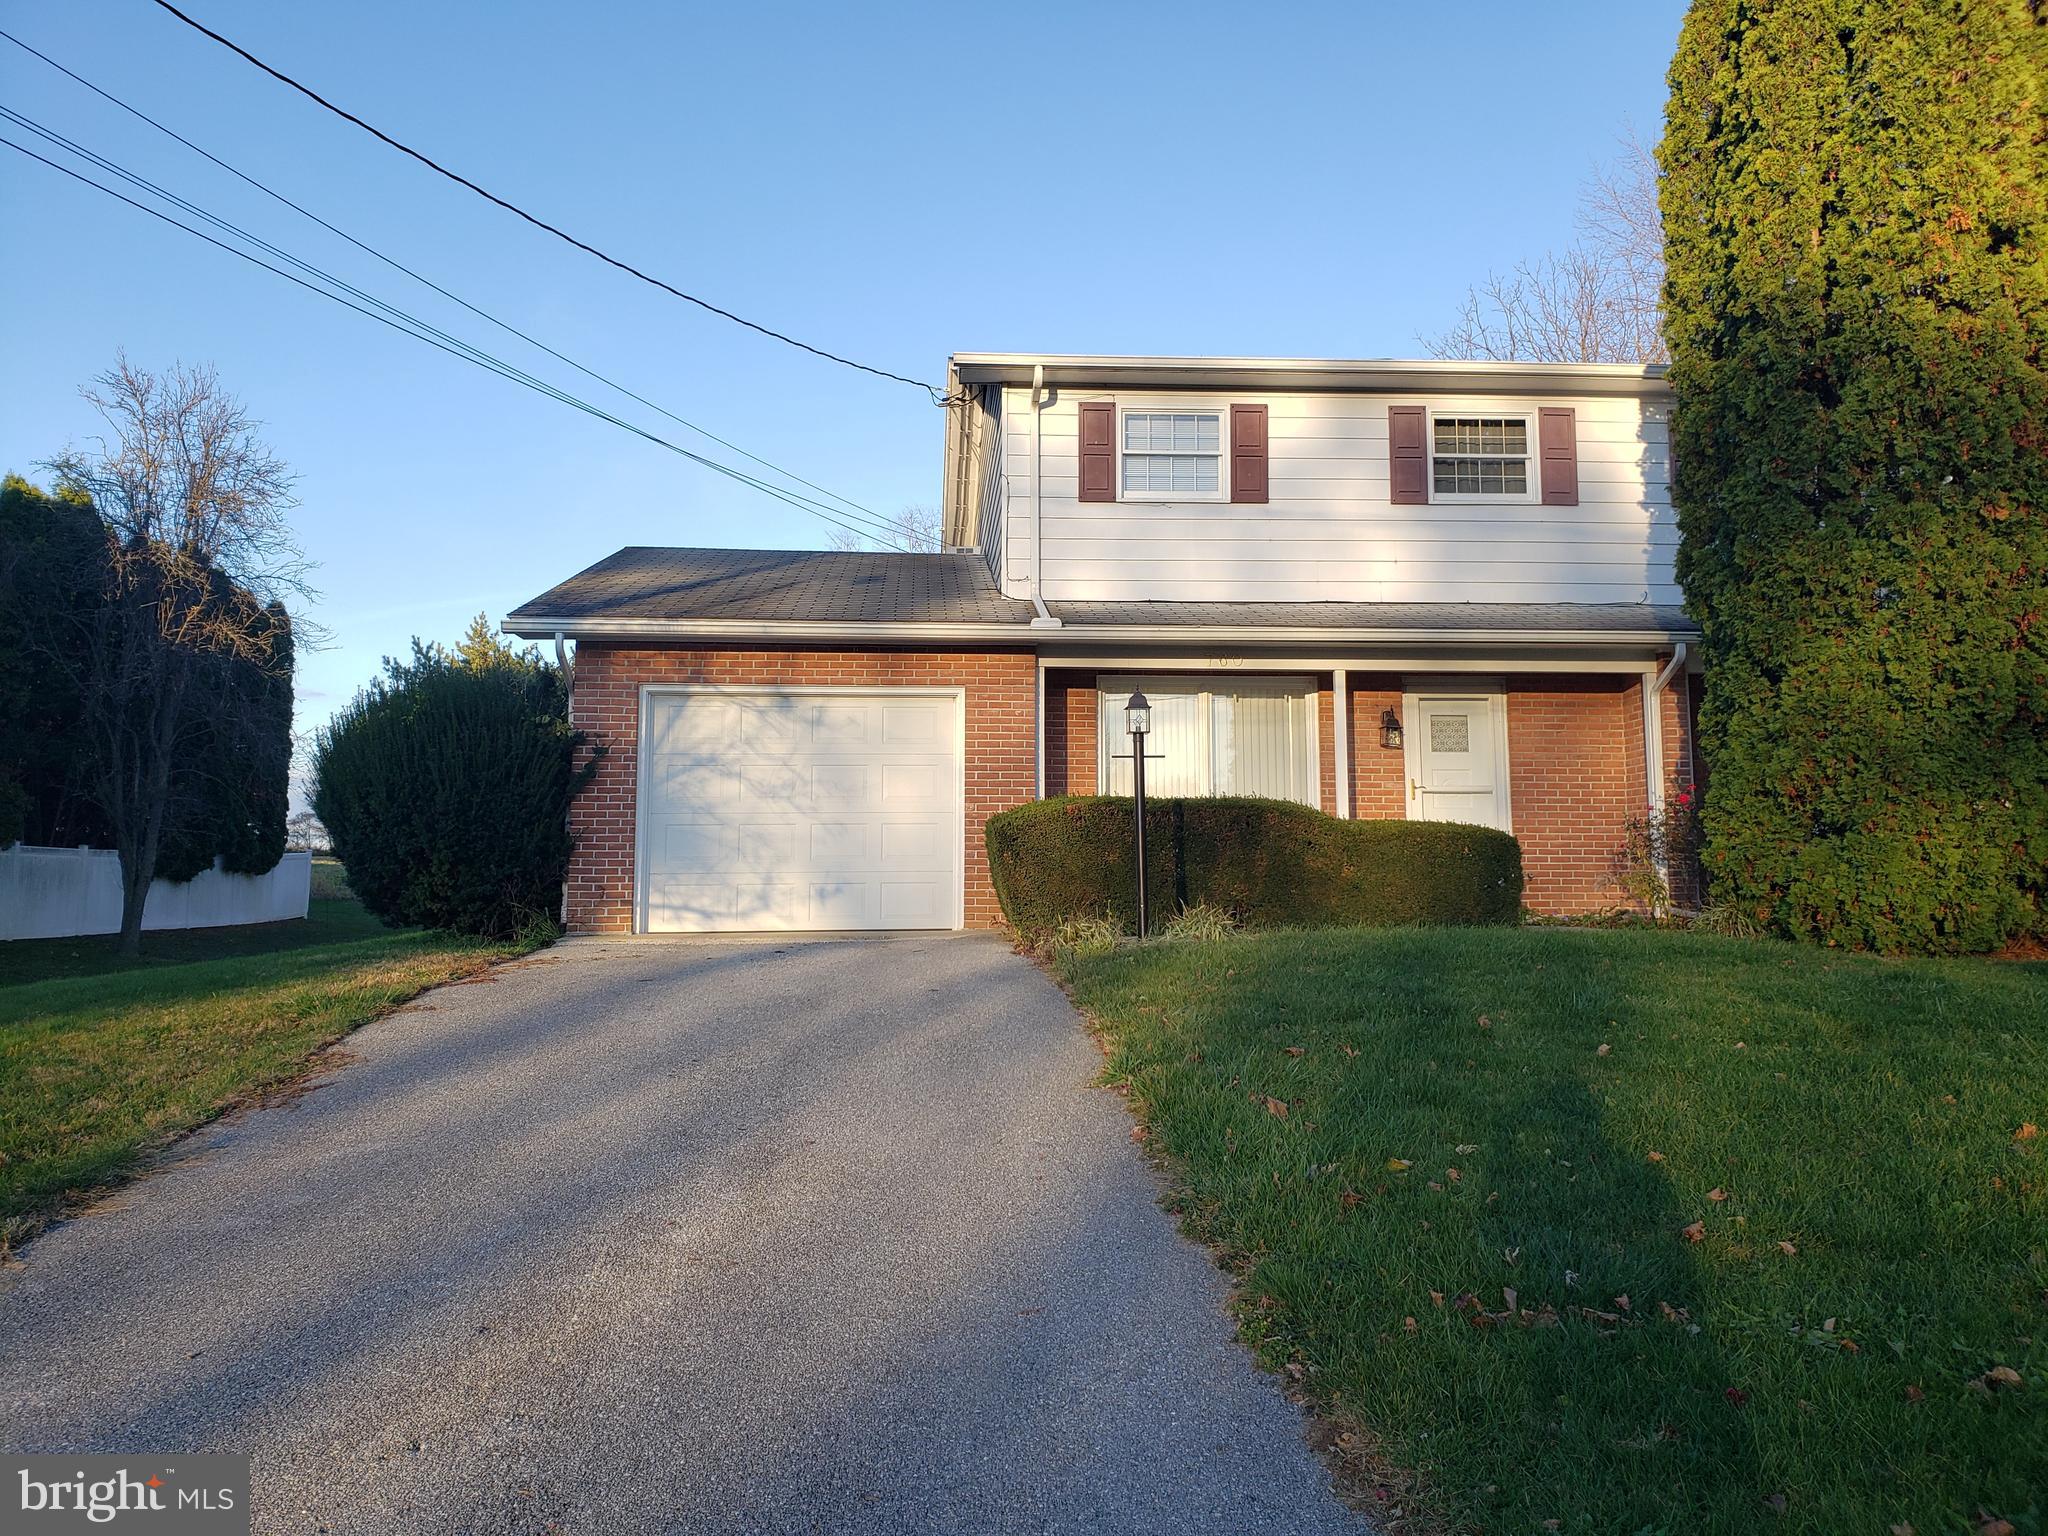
[468,354]
[938,395]
[399,266]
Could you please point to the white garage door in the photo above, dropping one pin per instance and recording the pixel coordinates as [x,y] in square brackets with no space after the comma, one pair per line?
[793,808]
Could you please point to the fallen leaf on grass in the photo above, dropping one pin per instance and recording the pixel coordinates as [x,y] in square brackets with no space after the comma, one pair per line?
[1915,1395]
[1276,1107]
[1295,1050]
[1398,1165]
[1467,1147]
[1605,1049]
[1509,1295]
[1736,1396]
[1348,1050]
[1696,1233]
[1991,1525]
[1411,1325]
[1436,1298]
[2026,1132]
[1997,1376]
[1787,1249]
[1350,1198]
[1296,1370]
[1656,1157]
[1903,1528]
[1717,1195]
[1138,1133]
[1622,1302]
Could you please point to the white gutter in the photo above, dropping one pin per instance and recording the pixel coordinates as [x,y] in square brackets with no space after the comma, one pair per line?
[541,626]
[1044,620]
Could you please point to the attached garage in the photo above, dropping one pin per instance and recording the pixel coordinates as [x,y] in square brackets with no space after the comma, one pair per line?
[792,808]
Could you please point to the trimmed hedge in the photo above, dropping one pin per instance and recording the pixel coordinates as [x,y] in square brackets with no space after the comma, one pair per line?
[1268,863]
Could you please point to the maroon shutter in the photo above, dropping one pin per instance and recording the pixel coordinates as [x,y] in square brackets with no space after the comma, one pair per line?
[1098,450]
[1408,454]
[1558,435]
[1247,453]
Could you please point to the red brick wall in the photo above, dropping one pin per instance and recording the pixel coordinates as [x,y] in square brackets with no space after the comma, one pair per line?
[1000,753]
[1070,732]
[1575,774]
[1379,775]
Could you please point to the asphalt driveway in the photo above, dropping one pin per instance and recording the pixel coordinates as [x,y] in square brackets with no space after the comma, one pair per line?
[678,1237]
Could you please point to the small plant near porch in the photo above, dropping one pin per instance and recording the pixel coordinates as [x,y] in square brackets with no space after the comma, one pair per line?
[1659,850]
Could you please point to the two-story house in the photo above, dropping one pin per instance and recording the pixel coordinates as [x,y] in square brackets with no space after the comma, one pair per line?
[1421,589]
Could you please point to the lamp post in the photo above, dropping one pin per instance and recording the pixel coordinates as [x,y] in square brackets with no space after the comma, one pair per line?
[1138,721]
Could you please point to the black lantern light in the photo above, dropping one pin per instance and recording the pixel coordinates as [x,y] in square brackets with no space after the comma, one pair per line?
[1138,721]
[1390,728]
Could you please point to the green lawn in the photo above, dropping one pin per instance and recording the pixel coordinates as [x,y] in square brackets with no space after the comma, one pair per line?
[102,1060]
[1626,1231]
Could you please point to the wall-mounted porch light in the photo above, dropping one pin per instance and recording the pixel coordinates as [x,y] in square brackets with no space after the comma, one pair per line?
[1390,728]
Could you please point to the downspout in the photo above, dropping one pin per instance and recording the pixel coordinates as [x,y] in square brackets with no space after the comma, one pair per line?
[1653,725]
[1653,741]
[1044,618]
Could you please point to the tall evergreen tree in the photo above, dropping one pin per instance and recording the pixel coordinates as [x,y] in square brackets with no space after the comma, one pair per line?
[1857,244]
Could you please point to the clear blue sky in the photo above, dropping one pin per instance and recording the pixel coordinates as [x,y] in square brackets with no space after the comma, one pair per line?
[891,182]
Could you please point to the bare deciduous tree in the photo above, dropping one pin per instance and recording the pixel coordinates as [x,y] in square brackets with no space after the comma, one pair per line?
[914,530]
[197,549]
[1598,301]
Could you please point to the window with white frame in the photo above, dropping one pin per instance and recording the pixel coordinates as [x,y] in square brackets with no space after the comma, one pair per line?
[1214,736]
[1480,457]
[1171,455]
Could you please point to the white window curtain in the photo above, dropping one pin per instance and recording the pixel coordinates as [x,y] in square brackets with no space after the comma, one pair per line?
[1214,736]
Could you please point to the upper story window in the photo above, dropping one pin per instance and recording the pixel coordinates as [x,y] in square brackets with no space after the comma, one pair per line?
[1172,455]
[1481,458]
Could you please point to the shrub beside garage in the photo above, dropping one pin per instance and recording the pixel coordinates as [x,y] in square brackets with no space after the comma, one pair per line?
[1268,863]
[445,786]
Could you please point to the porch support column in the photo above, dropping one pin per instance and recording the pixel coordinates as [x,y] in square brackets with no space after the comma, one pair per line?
[1038,730]
[1340,736]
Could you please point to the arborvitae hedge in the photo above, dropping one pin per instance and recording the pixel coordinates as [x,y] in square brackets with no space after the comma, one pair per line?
[446,791]
[1269,863]
[1854,215]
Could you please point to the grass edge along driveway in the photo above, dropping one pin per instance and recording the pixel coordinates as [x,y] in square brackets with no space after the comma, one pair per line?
[1620,1232]
[103,1064]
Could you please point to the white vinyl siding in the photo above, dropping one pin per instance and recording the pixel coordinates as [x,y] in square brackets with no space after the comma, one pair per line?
[1214,736]
[991,530]
[1328,531]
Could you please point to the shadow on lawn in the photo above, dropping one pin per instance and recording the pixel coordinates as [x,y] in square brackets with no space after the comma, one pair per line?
[1608,1366]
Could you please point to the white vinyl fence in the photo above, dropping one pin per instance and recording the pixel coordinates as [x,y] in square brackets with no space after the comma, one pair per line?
[54,893]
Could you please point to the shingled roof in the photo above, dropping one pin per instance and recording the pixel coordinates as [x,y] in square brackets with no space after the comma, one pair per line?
[780,586]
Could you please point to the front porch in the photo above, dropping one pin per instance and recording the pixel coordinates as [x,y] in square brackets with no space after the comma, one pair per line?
[1555,754]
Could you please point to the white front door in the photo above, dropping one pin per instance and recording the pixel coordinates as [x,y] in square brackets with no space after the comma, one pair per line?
[793,808]
[1457,758]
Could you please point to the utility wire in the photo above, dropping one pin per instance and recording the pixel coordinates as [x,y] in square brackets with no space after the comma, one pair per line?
[399,266]
[938,395]
[448,341]
[480,359]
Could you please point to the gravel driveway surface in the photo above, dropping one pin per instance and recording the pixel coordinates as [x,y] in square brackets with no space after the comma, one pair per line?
[697,1236]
